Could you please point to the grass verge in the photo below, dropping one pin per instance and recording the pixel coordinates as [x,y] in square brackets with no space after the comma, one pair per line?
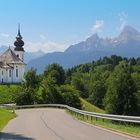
[5,116]
[90,107]
[129,129]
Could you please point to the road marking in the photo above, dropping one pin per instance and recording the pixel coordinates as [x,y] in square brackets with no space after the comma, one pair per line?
[54,132]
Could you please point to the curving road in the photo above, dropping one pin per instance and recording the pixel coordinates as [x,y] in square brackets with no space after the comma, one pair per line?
[54,124]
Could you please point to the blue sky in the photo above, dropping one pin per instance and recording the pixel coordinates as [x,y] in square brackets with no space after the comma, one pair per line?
[52,25]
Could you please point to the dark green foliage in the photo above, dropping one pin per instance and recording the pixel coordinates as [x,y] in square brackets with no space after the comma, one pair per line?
[138,99]
[111,83]
[48,91]
[78,83]
[8,93]
[113,60]
[29,88]
[121,93]
[57,72]
[32,80]
[52,89]
[109,80]
[25,98]
[97,94]
[84,68]
[136,78]
[70,96]
[102,68]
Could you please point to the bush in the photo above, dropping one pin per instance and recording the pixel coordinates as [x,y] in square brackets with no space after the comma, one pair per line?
[8,93]
[25,98]
[70,96]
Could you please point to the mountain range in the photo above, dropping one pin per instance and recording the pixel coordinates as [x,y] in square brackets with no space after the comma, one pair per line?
[126,44]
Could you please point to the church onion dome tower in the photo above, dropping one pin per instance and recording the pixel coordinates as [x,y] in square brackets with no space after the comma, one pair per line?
[19,43]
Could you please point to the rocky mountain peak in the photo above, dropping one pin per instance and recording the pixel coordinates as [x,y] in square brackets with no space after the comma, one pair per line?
[93,38]
[127,44]
[128,32]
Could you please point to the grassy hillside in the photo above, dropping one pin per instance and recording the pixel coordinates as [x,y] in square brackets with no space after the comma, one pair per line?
[89,107]
[8,92]
[5,116]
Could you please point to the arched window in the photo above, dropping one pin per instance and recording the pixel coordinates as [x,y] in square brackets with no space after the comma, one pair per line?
[16,72]
[10,73]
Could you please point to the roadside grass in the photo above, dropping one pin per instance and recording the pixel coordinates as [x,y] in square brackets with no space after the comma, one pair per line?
[8,93]
[5,117]
[89,107]
[125,128]
[130,129]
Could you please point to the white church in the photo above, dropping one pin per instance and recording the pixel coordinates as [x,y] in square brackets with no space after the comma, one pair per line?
[12,62]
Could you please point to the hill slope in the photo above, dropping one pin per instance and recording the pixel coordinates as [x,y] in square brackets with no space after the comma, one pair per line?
[91,108]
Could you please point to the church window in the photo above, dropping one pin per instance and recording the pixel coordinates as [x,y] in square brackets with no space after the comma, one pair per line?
[10,73]
[16,72]
[17,55]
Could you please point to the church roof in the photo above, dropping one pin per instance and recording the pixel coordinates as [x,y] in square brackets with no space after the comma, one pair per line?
[8,58]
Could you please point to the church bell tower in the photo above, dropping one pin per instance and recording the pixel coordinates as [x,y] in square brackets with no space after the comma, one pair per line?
[19,43]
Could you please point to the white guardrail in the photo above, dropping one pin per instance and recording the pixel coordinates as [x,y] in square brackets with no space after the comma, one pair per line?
[132,119]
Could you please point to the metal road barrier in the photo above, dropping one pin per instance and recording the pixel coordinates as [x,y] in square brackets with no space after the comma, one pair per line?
[122,118]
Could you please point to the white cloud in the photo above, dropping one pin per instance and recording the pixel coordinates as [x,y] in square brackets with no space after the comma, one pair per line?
[123,20]
[4,35]
[97,26]
[45,46]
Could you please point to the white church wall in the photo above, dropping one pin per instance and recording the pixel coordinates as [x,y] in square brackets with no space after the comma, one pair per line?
[18,73]
[20,54]
[0,75]
[16,76]
[9,76]
[3,75]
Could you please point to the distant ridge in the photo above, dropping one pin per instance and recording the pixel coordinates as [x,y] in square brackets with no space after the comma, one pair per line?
[127,44]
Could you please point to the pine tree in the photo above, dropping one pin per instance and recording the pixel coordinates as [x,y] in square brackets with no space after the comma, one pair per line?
[121,94]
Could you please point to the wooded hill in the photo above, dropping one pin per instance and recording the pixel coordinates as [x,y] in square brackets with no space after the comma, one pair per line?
[111,83]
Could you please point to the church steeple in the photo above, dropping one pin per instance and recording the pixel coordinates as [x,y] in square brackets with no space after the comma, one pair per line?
[19,35]
[19,43]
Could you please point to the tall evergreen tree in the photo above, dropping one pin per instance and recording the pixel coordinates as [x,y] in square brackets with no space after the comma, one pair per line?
[57,72]
[121,93]
[29,88]
[98,93]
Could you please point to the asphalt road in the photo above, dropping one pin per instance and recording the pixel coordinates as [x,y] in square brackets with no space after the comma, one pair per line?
[54,124]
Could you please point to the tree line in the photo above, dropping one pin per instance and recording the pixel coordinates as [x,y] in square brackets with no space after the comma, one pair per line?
[111,83]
